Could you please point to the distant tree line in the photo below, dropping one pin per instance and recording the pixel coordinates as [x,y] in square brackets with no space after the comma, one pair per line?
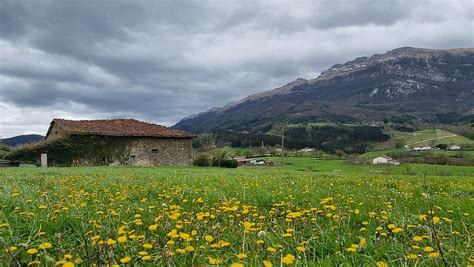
[332,138]
[353,139]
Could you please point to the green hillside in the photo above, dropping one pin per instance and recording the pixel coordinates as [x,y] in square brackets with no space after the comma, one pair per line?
[430,137]
[3,151]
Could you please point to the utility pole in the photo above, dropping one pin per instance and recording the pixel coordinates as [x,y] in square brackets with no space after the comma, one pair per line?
[282,133]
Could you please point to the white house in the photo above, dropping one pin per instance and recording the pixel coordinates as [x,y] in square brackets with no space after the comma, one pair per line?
[306,150]
[454,147]
[385,160]
[422,148]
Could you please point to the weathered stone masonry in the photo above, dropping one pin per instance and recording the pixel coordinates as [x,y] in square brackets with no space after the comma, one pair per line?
[118,142]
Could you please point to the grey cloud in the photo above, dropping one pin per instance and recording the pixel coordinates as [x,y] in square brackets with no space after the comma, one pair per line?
[164,60]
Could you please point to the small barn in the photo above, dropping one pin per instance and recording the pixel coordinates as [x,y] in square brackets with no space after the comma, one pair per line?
[111,142]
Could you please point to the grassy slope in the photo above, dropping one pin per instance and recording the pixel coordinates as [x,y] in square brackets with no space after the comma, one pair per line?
[418,137]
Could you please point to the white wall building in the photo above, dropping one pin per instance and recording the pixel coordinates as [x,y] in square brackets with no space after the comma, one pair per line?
[385,160]
[454,147]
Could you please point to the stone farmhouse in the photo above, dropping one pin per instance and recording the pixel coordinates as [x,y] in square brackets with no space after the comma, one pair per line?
[116,141]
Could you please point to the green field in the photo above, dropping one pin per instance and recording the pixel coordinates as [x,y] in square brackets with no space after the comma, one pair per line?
[307,212]
[339,166]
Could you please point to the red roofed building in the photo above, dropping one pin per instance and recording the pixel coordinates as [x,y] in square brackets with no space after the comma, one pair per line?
[118,141]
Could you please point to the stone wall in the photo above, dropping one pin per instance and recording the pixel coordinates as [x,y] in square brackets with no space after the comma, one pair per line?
[56,133]
[151,151]
[90,150]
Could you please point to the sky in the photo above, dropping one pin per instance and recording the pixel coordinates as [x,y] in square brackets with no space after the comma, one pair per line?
[163,60]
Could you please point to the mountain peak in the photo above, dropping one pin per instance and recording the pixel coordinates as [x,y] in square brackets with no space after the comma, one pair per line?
[361,63]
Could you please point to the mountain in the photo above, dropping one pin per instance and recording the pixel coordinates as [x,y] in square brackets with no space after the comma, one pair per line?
[404,85]
[22,140]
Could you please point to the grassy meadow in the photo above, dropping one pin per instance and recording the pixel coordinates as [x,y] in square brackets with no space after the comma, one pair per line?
[307,212]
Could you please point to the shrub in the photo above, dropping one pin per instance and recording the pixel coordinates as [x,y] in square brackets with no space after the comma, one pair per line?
[225,163]
[201,160]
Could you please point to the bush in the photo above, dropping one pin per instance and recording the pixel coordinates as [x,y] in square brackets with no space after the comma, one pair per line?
[225,163]
[201,160]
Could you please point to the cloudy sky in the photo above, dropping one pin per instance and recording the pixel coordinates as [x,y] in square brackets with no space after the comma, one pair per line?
[164,60]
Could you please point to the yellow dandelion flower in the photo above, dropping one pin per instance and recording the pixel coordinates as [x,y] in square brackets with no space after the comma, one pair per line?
[209,238]
[122,239]
[125,259]
[397,230]
[147,246]
[288,259]
[32,251]
[45,245]
[428,249]
[267,263]
[412,256]
[68,264]
[436,219]
[434,254]
[146,258]
[300,248]
[417,238]
[237,264]
[153,227]
[241,256]
[271,249]
[184,236]
[214,261]
[381,264]
[111,241]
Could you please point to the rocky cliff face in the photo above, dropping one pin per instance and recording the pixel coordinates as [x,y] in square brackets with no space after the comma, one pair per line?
[414,82]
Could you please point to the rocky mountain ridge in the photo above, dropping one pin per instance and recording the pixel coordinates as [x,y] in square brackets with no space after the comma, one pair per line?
[420,83]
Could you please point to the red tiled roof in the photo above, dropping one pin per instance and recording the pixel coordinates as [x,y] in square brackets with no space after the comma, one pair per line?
[118,127]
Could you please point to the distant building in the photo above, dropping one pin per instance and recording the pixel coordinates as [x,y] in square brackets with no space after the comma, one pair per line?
[385,160]
[111,142]
[454,147]
[244,161]
[306,150]
[422,148]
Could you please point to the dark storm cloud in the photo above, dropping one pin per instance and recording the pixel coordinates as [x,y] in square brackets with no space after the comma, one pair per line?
[163,60]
